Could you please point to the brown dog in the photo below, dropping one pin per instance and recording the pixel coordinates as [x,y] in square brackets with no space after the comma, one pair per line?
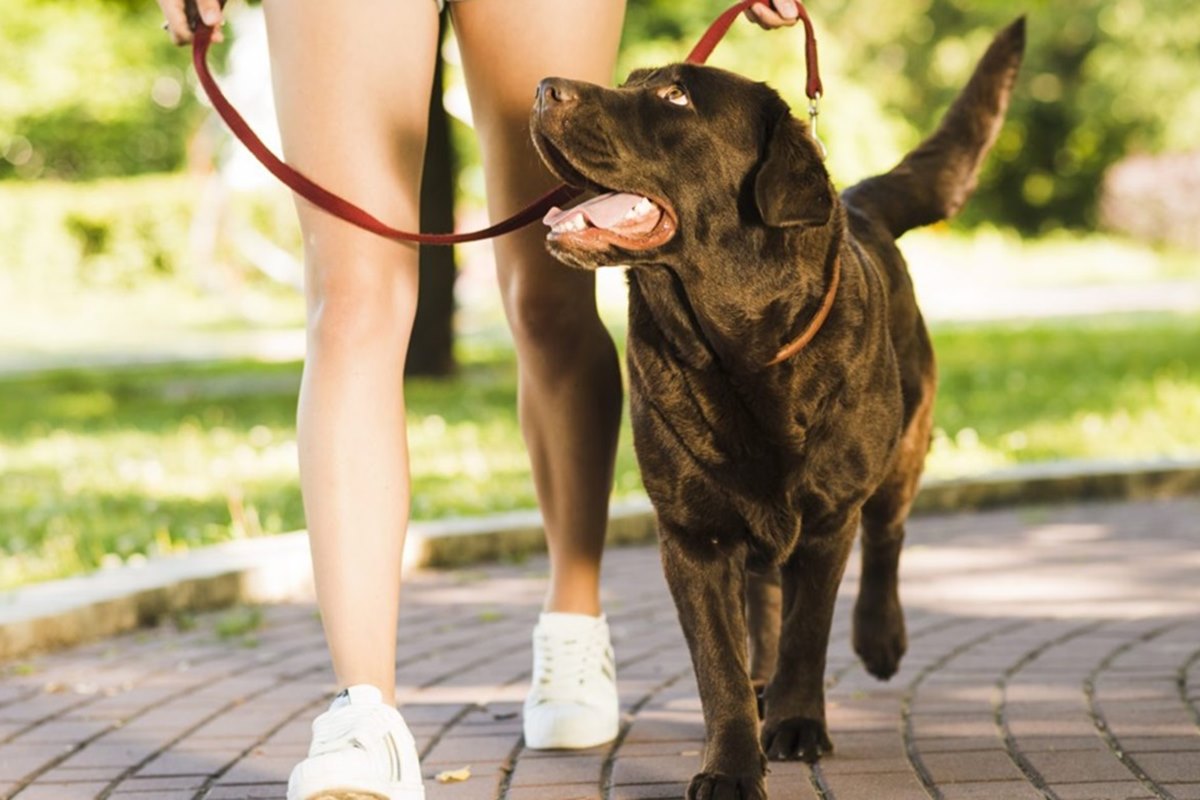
[781,377]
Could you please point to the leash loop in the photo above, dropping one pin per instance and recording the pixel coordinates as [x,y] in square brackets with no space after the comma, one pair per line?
[349,212]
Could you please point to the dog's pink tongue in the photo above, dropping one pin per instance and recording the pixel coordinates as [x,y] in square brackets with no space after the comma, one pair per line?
[605,211]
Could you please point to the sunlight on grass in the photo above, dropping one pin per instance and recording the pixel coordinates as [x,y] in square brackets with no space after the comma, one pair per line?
[1124,387]
[1064,258]
[109,467]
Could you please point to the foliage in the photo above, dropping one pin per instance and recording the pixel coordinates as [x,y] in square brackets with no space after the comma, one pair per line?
[1102,79]
[102,467]
[89,90]
[62,239]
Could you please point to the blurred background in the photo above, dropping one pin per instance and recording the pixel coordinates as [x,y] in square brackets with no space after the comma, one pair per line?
[151,325]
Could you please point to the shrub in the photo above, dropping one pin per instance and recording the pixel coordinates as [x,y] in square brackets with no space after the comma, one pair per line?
[90,90]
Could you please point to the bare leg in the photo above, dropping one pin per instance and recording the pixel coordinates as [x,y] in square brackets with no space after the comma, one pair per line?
[352,89]
[569,382]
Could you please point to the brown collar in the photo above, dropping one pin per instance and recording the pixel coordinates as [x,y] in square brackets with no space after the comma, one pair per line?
[801,341]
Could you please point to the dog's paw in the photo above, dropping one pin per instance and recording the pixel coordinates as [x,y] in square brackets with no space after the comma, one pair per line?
[796,739]
[715,786]
[880,638]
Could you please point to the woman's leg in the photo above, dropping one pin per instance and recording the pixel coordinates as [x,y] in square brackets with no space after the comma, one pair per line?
[352,86]
[569,380]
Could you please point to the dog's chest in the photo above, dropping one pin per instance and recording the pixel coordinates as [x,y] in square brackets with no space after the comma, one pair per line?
[786,440]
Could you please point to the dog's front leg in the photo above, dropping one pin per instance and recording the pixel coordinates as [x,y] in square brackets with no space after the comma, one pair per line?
[708,582]
[794,726]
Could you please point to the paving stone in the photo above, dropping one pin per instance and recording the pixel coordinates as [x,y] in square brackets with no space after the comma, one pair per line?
[890,785]
[137,784]
[655,769]
[1184,791]
[1059,768]
[1108,790]
[980,611]
[991,790]
[463,749]
[62,791]
[650,791]
[564,768]
[62,731]
[256,791]
[20,760]
[556,791]
[68,774]
[1178,767]
[971,767]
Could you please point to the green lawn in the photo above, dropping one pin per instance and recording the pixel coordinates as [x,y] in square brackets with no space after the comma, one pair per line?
[107,466]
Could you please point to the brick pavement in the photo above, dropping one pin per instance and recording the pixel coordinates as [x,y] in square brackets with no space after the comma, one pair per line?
[1053,653]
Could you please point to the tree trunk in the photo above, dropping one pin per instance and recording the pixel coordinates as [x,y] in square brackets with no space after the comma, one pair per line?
[431,349]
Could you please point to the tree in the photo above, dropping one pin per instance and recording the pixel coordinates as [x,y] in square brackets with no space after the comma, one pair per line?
[431,349]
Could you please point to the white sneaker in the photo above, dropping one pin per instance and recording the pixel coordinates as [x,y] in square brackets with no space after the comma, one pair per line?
[572,702]
[361,750]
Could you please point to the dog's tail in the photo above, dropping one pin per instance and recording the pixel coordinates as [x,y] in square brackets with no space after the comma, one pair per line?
[934,181]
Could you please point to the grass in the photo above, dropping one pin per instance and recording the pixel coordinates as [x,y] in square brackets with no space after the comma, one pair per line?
[105,467]
[102,467]
[1109,387]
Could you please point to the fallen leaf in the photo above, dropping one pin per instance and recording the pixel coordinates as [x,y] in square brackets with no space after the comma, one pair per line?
[454,775]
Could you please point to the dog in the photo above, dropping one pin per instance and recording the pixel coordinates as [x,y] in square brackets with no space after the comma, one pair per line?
[781,376]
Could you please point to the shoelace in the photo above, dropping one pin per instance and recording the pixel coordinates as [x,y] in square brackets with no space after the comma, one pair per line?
[345,727]
[567,665]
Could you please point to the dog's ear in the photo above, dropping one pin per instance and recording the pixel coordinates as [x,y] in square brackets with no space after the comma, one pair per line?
[792,186]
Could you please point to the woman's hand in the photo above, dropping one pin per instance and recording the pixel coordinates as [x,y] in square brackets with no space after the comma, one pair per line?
[769,14]
[177,21]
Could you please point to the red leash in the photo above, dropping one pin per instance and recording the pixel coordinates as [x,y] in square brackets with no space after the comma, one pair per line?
[344,209]
[720,26]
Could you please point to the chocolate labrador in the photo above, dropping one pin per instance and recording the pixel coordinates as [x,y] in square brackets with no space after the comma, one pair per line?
[781,377]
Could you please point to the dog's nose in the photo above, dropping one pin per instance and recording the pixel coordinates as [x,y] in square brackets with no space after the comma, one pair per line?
[556,91]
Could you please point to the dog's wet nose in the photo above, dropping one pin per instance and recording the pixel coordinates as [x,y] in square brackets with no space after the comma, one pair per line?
[556,91]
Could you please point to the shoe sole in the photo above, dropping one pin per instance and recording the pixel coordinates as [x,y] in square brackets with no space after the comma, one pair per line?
[355,795]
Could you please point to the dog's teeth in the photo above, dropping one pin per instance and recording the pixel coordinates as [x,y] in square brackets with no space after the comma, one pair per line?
[642,209]
[576,222]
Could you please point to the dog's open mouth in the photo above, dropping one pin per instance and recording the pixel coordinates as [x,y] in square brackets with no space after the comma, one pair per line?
[626,220]
[622,219]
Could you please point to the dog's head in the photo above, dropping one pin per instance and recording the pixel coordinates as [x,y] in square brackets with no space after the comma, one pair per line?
[685,158]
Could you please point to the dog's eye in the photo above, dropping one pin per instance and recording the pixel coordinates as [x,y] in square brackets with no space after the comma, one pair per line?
[674,94]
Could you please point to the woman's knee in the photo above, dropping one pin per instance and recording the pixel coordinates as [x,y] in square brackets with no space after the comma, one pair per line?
[368,310]
[551,318]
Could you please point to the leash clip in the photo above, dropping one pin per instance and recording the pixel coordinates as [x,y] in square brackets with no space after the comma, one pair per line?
[813,112]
